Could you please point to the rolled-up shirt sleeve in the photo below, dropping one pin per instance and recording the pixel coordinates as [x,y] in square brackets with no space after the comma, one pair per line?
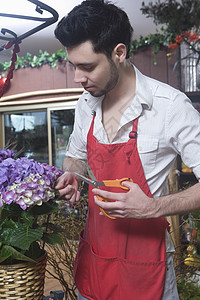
[76,147]
[183,128]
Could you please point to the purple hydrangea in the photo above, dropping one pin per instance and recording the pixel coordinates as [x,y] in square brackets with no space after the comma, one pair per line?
[6,153]
[25,181]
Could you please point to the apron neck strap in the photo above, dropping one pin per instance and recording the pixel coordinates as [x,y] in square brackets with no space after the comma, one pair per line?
[133,133]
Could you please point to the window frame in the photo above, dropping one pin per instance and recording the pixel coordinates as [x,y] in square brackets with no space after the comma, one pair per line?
[43,104]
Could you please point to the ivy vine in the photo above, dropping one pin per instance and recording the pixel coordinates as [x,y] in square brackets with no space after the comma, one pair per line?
[176,16]
[35,61]
[156,41]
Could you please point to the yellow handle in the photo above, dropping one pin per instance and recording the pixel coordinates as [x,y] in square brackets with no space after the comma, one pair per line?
[117,183]
[113,183]
[102,210]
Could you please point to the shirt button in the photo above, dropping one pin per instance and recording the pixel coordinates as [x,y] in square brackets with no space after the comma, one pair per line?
[140,148]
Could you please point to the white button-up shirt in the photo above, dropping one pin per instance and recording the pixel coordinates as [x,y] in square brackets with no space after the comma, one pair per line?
[168,125]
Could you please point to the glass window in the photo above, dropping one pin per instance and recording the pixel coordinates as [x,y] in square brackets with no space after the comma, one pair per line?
[62,122]
[29,130]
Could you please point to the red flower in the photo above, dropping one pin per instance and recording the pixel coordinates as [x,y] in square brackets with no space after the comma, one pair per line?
[179,38]
[187,33]
[194,37]
[173,45]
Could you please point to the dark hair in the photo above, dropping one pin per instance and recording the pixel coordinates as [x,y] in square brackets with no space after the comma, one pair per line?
[102,23]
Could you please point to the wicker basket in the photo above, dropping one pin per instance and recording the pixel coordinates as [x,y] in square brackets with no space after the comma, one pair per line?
[23,281]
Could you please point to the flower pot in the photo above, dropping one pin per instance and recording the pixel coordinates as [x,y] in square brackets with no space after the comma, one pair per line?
[24,280]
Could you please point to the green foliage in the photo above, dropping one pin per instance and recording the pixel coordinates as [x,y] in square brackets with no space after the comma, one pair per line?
[9,254]
[193,222]
[36,60]
[156,40]
[188,289]
[179,16]
[20,232]
[195,219]
[176,17]
[188,274]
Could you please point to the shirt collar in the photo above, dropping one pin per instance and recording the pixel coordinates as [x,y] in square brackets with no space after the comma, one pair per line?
[92,102]
[144,93]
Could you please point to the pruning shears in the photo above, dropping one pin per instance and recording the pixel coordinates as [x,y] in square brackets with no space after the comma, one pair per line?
[109,183]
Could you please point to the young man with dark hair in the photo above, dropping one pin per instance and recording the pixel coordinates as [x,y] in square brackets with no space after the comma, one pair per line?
[126,125]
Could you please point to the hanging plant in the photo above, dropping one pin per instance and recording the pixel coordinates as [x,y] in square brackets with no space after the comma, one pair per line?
[35,61]
[181,23]
[156,40]
[178,16]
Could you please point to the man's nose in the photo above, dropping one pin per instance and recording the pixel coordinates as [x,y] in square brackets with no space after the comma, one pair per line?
[79,76]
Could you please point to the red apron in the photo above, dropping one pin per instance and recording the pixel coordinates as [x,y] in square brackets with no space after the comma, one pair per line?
[122,258]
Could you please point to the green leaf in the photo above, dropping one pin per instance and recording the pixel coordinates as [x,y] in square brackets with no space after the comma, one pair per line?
[5,253]
[155,62]
[28,219]
[52,238]
[6,235]
[8,224]
[10,252]
[23,236]
[34,251]
[13,211]
[36,60]
[52,227]
[7,228]
[45,209]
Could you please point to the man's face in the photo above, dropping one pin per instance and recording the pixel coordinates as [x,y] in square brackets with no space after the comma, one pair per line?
[97,74]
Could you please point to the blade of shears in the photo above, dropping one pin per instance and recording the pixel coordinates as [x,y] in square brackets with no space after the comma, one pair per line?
[90,173]
[87,180]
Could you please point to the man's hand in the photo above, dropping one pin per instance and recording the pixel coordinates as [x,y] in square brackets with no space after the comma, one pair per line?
[132,204]
[67,185]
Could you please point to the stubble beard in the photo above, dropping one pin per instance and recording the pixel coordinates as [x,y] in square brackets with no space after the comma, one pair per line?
[114,77]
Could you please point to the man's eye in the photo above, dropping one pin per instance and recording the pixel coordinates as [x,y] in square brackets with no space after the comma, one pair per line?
[88,69]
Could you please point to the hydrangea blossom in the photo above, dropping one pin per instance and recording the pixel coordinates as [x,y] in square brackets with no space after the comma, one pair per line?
[6,153]
[25,181]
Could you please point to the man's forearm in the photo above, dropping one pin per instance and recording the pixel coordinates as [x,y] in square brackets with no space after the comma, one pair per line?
[179,203]
[74,165]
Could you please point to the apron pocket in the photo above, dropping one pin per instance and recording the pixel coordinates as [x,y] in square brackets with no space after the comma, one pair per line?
[145,280]
[115,278]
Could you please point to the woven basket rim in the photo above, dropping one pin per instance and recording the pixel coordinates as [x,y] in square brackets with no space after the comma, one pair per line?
[27,263]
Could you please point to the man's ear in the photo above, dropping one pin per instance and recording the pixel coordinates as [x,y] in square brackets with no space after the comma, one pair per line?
[119,52]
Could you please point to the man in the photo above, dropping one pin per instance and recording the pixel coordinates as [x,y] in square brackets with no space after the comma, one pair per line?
[126,125]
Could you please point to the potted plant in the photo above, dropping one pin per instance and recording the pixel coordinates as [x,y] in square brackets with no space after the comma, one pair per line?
[182,34]
[26,194]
